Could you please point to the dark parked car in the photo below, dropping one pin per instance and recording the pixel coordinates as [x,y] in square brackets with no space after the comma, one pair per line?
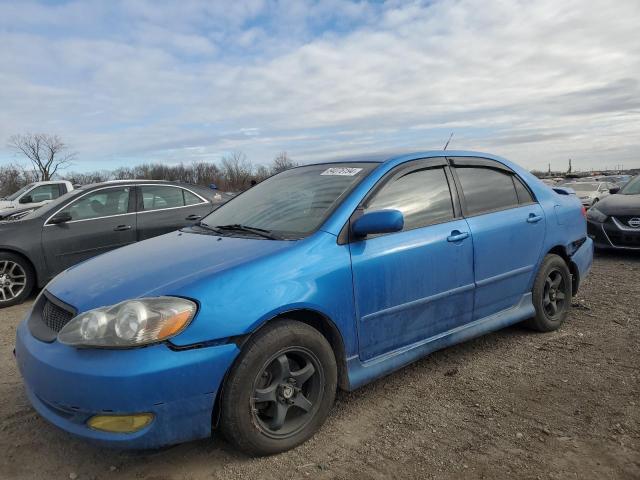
[614,223]
[89,221]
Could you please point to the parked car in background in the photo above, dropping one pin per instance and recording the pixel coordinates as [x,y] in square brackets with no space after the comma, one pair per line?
[614,223]
[590,193]
[88,221]
[35,195]
[322,275]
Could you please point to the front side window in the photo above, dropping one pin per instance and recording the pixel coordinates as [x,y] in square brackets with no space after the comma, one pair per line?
[486,189]
[156,197]
[294,203]
[102,203]
[423,197]
[44,193]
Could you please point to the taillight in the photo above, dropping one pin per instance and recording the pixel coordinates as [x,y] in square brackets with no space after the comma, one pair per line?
[584,212]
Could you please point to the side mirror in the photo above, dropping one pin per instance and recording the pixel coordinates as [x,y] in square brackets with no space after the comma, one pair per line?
[381,221]
[614,190]
[61,217]
[26,199]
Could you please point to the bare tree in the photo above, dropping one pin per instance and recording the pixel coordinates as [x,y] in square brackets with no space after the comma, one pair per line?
[282,162]
[236,170]
[47,153]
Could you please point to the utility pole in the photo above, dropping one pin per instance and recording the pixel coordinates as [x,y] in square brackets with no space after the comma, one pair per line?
[569,171]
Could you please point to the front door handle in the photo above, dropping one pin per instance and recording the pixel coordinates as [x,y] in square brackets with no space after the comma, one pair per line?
[193,217]
[457,236]
[533,218]
[122,228]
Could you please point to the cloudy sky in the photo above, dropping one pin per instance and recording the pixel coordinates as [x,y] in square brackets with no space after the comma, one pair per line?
[130,81]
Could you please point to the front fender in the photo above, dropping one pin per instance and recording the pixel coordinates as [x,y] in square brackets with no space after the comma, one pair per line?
[313,275]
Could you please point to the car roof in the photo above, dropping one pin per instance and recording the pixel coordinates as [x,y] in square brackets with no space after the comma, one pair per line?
[131,182]
[386,157]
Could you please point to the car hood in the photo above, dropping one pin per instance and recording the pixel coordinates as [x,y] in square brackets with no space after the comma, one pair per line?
[4,204]
[158,266]
[620,205]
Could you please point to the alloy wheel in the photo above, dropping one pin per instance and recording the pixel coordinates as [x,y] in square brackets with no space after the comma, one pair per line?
[287,392]
[555,293]
[13,280]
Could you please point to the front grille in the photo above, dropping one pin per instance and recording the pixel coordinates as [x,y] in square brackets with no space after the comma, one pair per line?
[54,316]
[625,219]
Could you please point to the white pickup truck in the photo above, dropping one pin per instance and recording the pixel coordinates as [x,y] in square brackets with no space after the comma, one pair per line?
[32,196]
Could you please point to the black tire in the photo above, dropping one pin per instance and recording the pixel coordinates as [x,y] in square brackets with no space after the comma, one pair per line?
[551,294]
[274,366]
[17,279]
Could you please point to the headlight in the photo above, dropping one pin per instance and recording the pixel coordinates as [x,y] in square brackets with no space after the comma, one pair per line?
[596,215]
[129,324]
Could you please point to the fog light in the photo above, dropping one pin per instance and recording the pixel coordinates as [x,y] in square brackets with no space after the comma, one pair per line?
[120,423]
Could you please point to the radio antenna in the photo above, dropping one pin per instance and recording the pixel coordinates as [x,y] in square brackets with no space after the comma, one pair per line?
[447,144]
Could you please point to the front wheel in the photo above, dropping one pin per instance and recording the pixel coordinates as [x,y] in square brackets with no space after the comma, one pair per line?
[280,389]
[551,294]
[17,279]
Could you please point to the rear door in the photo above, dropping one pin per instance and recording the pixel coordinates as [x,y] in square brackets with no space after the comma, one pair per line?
[102,220]
[508,228]
[166,208]
[417,283]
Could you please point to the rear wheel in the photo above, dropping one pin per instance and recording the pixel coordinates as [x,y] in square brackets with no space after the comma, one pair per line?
[17,279]
[551,294]
[280,390]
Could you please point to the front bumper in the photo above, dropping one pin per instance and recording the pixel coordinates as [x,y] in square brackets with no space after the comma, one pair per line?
[609,235]
[67,386]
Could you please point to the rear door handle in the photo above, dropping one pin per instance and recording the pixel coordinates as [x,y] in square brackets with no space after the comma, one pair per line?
[533,218]
[194,217]
[122,228]
[457,236]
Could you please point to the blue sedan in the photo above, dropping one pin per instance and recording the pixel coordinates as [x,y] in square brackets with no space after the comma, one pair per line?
[324,276]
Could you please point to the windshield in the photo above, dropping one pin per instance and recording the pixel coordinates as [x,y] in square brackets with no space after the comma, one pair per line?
[583,187]
[632,188]
[294,203]
[15,195]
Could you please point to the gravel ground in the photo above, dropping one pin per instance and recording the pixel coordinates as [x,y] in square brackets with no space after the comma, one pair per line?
[513,404]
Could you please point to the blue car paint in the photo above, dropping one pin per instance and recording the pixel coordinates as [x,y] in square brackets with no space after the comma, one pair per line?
[240,284]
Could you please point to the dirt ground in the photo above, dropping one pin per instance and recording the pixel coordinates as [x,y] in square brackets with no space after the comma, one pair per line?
[513,404]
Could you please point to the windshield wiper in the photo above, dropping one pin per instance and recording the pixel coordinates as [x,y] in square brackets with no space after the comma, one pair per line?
[236,227]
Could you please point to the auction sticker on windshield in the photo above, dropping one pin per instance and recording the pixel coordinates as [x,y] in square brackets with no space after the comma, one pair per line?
[343,171]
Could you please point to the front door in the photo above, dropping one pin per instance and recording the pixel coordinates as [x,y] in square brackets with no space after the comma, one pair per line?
[508,231]
[101,220]
[417,283]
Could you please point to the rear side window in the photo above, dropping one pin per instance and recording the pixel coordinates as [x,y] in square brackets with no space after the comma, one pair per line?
[190,198]
[423,197]
[486,189]
[524,195]
[156,197]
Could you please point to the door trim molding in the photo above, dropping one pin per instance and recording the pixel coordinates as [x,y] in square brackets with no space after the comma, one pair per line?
[418,302]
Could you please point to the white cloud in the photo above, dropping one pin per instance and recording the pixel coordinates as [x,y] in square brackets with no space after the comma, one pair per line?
[535,81]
